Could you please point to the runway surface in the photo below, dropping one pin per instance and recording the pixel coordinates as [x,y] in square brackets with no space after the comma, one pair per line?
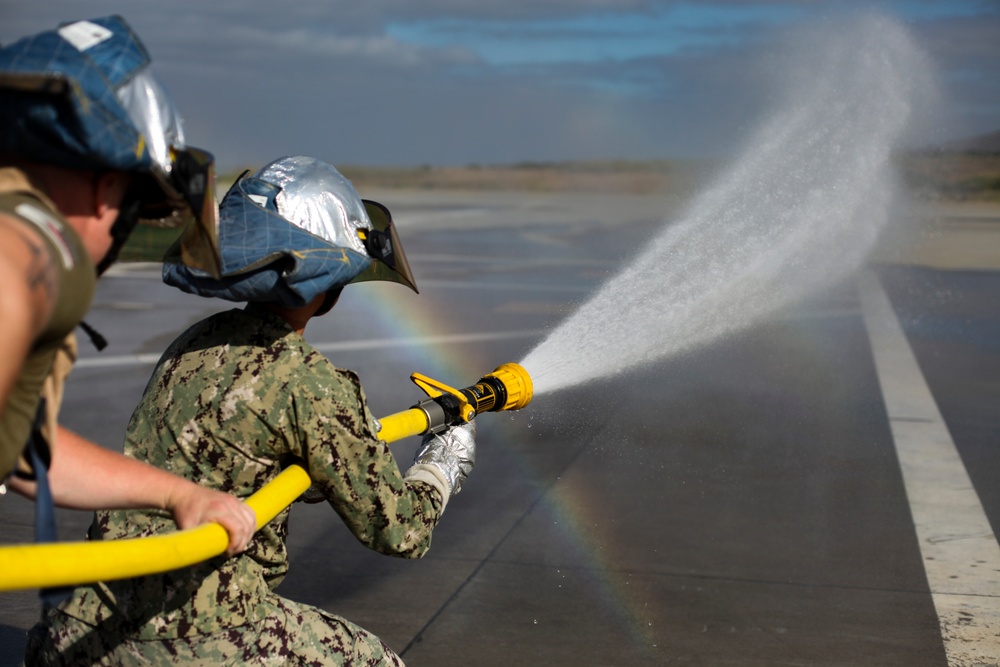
[819,489]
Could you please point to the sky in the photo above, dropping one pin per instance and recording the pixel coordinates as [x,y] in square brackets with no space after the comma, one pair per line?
[454,82]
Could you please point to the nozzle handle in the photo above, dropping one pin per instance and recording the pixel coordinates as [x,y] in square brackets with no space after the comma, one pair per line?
[459,409]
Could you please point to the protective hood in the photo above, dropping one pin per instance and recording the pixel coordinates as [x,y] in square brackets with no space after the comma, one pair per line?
[295,230]
[84,96]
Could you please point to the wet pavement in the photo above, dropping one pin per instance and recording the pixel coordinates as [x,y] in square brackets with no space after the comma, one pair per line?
[743,504]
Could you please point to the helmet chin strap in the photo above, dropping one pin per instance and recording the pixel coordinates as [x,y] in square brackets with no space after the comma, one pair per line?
[329,301]
[128,218]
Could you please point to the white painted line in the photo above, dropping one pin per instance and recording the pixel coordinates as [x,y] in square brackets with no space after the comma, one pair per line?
[368,344]
[521,262]
[120,360]
[960,552]
[507,287]
[450,339]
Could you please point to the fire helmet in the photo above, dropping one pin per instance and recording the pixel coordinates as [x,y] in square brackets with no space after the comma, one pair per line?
[83,96]
[294,230]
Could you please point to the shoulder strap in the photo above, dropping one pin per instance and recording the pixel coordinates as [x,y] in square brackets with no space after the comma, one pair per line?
[45,510]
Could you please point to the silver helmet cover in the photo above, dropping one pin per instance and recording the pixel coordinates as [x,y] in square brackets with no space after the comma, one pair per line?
[151,109]
[319,199]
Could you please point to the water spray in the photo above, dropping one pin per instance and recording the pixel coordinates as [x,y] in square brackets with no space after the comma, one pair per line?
[508,387]
[797,211]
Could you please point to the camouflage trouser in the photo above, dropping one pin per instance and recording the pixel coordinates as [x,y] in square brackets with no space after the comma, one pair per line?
[292,634]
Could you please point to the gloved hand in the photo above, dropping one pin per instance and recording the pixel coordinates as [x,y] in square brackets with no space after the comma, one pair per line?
[451,452]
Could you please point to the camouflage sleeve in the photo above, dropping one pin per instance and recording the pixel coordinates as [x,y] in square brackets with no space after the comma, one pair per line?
[355,470]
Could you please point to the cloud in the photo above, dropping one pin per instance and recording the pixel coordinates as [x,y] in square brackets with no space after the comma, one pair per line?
[451,81]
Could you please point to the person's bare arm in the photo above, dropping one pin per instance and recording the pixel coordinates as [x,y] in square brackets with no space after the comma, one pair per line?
[86,476]
[30,288]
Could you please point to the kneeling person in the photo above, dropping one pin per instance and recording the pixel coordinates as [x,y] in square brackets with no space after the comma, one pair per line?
[235,398]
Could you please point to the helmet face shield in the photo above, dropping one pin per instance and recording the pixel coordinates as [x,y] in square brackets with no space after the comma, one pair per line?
[181,210]
[384,247]
[193,176]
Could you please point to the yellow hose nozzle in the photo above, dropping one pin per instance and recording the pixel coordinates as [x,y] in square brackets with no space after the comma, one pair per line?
[516,387]
[509,387]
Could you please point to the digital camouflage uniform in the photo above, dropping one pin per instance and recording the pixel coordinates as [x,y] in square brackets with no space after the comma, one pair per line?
[233,400]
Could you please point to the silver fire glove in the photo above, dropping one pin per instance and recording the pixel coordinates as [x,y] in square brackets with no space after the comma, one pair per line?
[448,457]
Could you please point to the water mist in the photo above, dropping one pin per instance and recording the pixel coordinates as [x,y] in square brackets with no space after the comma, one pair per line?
[800,209]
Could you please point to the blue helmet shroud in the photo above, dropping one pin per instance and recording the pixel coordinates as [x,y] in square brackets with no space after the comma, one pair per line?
[59,104]
[265,257]
[83,96]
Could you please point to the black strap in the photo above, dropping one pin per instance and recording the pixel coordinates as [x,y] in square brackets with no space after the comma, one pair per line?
[45,509]
[121,229]
[99,341]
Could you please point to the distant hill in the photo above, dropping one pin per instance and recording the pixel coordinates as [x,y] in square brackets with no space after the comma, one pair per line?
[965,170]
[983,144]
[637,177]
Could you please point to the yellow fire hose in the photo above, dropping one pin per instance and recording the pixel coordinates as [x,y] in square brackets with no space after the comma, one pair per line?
[71,563]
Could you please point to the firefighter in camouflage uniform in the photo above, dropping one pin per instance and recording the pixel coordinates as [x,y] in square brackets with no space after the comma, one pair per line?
[234,399]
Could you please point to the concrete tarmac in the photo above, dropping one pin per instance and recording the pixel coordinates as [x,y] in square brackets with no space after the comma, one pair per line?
[744,504]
